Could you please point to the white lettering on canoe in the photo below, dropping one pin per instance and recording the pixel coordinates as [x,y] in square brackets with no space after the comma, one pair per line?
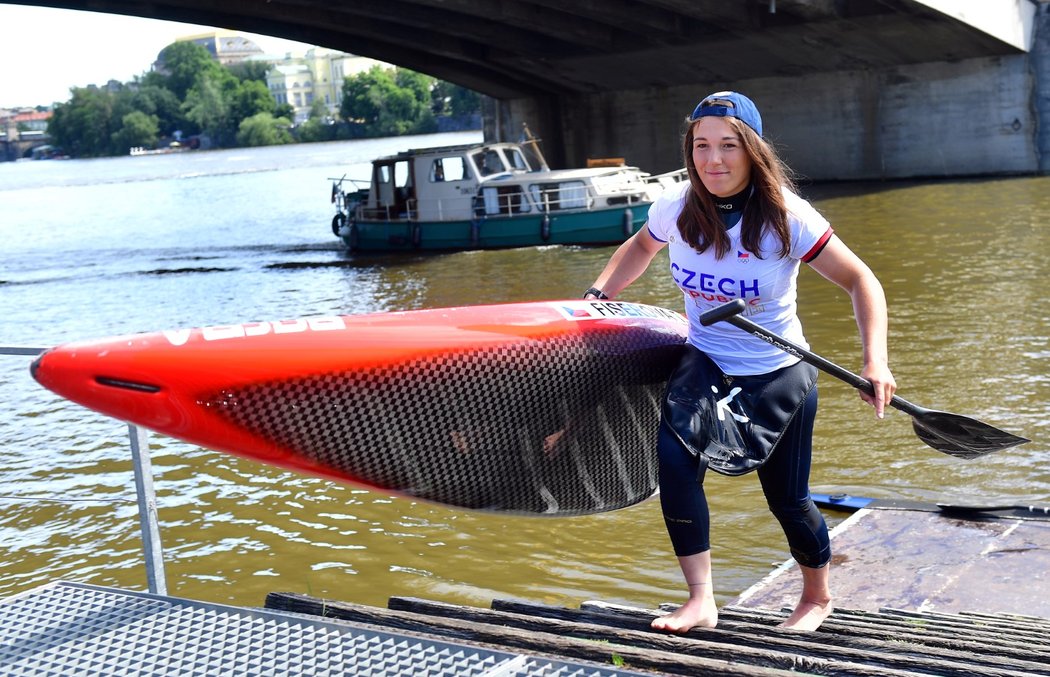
[179,337]
[598,310]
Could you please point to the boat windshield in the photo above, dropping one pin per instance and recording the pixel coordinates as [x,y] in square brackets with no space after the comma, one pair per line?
[517,160]
[488,162]
[452,168]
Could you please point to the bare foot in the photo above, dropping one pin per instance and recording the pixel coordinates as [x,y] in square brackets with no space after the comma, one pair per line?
[698,612]
[807,616]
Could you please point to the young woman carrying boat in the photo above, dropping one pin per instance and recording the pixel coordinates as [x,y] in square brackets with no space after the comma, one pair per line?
[738,230]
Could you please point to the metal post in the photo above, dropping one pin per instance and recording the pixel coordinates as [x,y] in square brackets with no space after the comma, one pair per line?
[147,510]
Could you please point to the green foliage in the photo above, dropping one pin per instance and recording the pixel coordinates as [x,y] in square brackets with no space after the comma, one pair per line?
[193,94]
[83,125]
[207,108]
[263,129]
[389,101]
[450,99]
[138,129]
[249,97]
[318,127]
[185,63]
[161,103]
[250,70]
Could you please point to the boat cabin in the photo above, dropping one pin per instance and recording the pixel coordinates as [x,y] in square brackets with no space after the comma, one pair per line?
[455,183]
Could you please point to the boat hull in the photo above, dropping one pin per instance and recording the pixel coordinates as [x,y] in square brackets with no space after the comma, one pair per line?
[532,408]
[592,227]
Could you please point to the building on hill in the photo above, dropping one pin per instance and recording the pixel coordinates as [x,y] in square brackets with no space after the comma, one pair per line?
[316,75]
[224,46]
[297,80]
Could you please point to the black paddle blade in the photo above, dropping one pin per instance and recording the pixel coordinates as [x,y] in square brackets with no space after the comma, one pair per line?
[961,436]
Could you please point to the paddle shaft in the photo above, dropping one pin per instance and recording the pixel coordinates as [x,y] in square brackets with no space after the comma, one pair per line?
[730,312]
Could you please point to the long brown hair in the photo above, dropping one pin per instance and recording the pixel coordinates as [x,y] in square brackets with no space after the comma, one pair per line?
[700,223]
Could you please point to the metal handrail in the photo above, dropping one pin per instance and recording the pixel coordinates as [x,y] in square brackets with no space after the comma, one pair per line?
[144,491]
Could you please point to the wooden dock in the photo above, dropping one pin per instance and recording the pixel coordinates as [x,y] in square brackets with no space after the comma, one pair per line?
[746,641]
[923,557]
[920,592]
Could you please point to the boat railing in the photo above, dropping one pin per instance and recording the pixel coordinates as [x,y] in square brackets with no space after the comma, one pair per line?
[668,179]
[144,491]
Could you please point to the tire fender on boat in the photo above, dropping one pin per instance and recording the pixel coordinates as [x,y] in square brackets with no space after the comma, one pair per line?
[417,235]
[475,231]
[545,227]
[628,223]
[337,223]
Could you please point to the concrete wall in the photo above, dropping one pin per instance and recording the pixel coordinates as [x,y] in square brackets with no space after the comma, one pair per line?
[986,116]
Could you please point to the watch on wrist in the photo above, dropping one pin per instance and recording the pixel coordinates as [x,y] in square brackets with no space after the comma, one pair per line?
[597,293]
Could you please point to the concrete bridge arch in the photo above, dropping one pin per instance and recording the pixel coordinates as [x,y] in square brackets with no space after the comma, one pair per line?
[850,89]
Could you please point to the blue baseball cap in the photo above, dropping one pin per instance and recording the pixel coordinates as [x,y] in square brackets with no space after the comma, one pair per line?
[729,104]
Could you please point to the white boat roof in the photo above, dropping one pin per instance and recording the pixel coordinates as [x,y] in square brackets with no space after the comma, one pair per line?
[446,150]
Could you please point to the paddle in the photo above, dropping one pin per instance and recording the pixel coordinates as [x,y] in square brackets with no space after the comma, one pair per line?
[952,434]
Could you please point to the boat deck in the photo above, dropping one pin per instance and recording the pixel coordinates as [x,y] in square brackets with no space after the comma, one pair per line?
[919,558]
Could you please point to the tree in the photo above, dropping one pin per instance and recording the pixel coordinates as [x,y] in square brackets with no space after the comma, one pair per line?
[207,107]
[161,103]
[248,98]
[263,129]
[389,101]
[83,126]
[184,63]
[318,126]
[450,99]
[250,70]
[359,105]
[138,129]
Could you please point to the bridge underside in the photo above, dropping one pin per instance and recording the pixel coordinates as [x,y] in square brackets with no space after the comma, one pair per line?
[522,48]
[575,70]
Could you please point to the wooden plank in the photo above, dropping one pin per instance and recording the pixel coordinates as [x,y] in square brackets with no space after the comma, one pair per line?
[566,644]
[887,653]
[790,652]
[988,645]
[872,636]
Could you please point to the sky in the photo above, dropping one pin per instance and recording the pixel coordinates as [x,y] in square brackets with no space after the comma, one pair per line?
[44,51]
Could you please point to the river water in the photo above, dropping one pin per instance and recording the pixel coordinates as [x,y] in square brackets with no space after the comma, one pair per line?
[92,248]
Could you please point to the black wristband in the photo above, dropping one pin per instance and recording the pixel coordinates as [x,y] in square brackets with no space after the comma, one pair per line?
[598,293]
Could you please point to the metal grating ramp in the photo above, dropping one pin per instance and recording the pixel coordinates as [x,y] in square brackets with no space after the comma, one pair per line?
[70,628]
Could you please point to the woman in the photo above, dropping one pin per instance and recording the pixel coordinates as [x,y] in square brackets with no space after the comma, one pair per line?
[737,229]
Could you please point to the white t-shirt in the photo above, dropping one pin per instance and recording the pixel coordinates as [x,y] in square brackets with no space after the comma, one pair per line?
[767,285]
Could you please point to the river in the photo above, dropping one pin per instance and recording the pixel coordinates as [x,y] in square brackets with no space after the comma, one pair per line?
[94,248]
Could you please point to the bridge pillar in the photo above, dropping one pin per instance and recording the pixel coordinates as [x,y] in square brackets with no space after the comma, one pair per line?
[10,144]
[1040,64]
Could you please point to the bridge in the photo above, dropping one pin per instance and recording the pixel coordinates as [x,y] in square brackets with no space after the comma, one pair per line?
[15,144]
[849,89]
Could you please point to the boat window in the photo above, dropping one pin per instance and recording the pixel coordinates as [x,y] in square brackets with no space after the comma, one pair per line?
[383,174]
[488,162]
[562,195]
[452,168]
[503,200]
[517,159]
[401,175]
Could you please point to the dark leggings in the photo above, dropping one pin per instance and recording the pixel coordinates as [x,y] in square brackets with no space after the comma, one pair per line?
[785,482]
